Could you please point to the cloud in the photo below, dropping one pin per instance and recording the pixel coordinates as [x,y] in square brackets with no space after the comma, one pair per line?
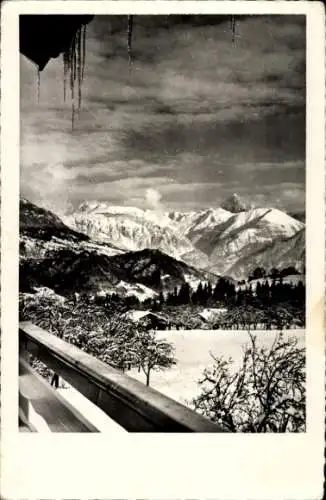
[196,115]
[153,198]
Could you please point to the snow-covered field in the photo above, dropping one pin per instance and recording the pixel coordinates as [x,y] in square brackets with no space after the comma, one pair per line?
[192,351]
[91,412]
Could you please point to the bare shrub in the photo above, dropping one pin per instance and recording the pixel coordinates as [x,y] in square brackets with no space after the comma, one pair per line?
[266,393]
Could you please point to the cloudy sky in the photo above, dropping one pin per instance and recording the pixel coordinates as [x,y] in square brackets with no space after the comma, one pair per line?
[193,120]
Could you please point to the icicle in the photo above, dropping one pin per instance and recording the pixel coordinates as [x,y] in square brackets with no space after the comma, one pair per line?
[38,85]
[130,25]
[83,49]
[65,74]
[72,55]
[79,64]
[233,29]
[74,64]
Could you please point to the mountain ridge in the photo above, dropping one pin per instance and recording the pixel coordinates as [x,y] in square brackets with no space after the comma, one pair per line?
[56,257]
[213,240]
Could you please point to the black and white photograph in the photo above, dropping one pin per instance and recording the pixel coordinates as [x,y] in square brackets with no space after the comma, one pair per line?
[162,273]
[162,249]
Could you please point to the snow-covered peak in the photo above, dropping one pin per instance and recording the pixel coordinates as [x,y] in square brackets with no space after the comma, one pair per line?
[247,233]
[193,222]
[102,207]
[158,217]
[275,220]
[279,218]
[211,218]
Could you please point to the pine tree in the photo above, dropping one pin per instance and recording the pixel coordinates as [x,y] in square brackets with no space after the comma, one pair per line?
[209,290]
[184,294]
[275,273]
[199,293]
[258,273]
[161,298]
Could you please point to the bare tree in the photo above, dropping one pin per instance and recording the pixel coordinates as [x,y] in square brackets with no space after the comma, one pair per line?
[108,337]
[88,327]
[152,353]
[266,394]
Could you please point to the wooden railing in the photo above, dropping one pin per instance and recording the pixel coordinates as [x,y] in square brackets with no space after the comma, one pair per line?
[132,405]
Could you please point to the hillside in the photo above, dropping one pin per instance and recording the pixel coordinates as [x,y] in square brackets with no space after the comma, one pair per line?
[66,272]
[280,254]
[43,234]
[39,223]
[233,245]
[156,269]
[55,256]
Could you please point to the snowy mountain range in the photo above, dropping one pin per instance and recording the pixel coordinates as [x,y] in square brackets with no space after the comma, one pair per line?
[222,241]
[105,248]
[131,228]
[54,256]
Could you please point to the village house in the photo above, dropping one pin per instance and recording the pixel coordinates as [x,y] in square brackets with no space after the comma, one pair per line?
[151,320]
[213,315]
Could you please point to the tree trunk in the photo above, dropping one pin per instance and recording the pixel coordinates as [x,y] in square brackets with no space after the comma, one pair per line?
[147,378]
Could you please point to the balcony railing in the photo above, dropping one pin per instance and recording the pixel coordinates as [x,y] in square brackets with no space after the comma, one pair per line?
[131,405]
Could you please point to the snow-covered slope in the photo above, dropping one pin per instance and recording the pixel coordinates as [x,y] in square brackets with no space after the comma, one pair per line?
[42,233]
[125,289]
[242,235]
[193,223]
[207,222]
[279,253]
[255,225]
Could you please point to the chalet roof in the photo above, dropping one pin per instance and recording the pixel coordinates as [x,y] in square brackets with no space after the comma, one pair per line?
[135,315]
[210,314]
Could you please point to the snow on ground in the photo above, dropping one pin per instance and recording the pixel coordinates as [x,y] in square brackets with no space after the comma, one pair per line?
[45,292]
[294,279]
[138,290]
[211,313]
[192,350]
[193,282]
[135,315]
[91,412]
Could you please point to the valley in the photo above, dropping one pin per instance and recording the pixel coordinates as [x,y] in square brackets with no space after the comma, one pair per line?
[110,301]
[103,249]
